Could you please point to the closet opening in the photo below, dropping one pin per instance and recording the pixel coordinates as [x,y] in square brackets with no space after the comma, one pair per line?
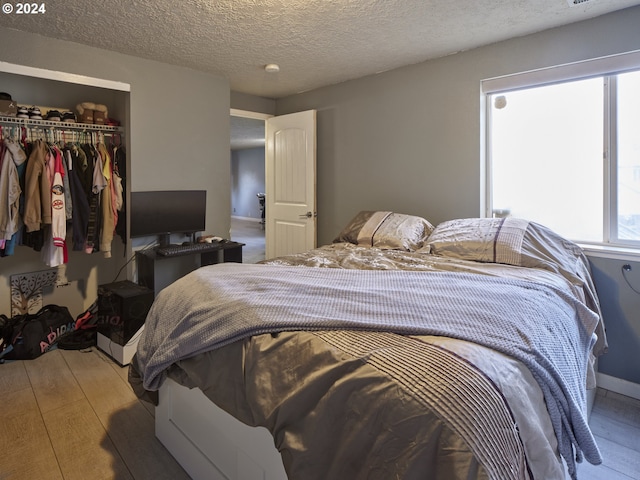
[41,93]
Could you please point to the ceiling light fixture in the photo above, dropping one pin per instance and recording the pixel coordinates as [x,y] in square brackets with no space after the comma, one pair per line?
[272,68]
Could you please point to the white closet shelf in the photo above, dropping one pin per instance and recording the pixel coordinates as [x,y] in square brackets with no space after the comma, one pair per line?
[27,122]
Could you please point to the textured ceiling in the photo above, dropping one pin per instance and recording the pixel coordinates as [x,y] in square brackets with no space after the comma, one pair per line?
[315,42]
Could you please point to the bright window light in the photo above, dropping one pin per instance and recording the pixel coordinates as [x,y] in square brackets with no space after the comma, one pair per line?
[567,155]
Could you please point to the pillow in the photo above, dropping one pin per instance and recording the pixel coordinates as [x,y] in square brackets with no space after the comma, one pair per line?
[518,242]
[511,241]
[386,230]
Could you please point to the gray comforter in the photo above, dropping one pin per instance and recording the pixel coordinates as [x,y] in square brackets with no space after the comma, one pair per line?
[544,325]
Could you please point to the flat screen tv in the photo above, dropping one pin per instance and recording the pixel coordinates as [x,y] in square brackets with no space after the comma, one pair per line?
[168,211]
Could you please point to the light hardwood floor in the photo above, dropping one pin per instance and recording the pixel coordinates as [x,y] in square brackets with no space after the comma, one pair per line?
[72,415]
[251,233]
[615,423]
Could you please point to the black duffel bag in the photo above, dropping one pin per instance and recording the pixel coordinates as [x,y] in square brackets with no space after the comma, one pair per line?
[30,335]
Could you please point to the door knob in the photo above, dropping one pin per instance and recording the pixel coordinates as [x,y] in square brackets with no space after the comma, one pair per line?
[306,215]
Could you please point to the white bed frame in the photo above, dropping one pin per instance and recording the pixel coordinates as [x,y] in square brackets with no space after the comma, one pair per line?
[209,443]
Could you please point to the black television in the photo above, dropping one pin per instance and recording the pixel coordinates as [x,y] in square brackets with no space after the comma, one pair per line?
[164,212]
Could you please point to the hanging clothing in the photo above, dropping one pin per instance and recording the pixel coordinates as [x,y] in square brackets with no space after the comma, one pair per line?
[119,158]
[83,165]
[16,238]
[51,254]
[95,212]
[78,199]
[58,211]
[37,208]
[80,219]
[107,201]
[54,188]
[68,200]
[10,189]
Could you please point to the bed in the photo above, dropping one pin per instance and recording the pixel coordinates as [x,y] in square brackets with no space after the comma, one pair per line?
[398,351]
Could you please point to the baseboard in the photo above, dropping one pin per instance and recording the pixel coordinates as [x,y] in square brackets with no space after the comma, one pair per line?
[251,219]
[618,385]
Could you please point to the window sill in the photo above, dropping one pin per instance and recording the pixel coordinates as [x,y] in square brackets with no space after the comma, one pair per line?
[611,251]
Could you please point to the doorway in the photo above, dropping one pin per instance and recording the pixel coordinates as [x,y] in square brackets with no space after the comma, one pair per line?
[289,160]
[247,158]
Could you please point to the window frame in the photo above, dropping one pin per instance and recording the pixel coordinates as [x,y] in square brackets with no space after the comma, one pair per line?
[606,67]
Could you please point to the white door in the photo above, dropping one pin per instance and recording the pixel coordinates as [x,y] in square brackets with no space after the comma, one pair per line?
[290,183]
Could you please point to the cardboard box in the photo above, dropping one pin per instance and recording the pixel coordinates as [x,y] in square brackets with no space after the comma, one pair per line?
[86,116]
[98,117]
[8,108]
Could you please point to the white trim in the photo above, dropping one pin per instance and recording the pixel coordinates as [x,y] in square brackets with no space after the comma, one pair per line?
[485,149]
[63,77]
[250,219]
[610,161]
[611,64]
[608,66]
[609,251]
[247,114]
[618,385]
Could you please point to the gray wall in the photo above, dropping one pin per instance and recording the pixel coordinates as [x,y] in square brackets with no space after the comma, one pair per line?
[411,137]
[251,103]
[247,179]
[406,140]
[178,138]
[409,140]
[620,307]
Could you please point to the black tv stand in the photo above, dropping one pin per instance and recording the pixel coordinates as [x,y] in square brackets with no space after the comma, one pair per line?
[157,271]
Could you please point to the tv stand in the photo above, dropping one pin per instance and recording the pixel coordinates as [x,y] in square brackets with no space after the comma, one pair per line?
[157,271]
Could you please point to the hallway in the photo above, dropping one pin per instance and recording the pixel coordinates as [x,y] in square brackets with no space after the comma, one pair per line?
[251,233]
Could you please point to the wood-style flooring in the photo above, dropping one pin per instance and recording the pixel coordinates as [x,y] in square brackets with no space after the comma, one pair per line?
[251,233]
[615,423]
[72,415]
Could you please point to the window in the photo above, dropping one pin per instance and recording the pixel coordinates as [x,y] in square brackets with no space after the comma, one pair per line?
[563,149]
[628,156]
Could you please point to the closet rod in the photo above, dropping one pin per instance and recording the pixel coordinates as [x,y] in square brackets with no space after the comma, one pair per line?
[26,122]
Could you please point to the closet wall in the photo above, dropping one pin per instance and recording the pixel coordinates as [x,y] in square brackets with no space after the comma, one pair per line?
[40,91]
[177,137]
